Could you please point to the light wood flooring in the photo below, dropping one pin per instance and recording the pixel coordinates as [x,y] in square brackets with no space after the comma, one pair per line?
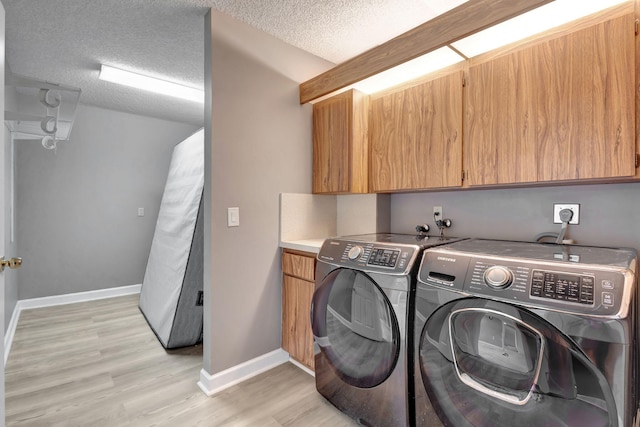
[99,364]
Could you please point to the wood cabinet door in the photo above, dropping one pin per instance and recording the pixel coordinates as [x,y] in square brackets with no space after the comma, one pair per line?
[297,335]
[331,124]
[340,154]
[305,333]
[289,313]
[415,136]
[586,124]
[562,109]
[500,121]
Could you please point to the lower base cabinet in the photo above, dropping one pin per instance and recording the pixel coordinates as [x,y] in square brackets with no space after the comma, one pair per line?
[298,285]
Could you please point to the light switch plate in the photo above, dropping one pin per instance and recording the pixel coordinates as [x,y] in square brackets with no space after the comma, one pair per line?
[233,217]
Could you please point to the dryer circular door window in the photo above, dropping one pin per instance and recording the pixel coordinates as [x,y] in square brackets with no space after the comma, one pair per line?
[355,327]
[486,363]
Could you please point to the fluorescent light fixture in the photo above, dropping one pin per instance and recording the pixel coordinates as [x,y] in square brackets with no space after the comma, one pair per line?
[151,84]
[544,18]
[410,70]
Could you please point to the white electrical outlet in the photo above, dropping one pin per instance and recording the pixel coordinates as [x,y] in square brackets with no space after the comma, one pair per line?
[437,212]
[140,211]
[575,207]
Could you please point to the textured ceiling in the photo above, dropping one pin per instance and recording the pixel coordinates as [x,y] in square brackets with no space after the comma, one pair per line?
[65,41]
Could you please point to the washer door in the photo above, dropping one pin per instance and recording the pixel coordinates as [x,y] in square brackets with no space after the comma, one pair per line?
[489,363]
[355,327]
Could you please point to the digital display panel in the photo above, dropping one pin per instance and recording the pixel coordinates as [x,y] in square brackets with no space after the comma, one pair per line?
[384,257]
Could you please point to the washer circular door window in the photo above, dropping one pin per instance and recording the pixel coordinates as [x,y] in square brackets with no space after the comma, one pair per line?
[355,327]
[488,363]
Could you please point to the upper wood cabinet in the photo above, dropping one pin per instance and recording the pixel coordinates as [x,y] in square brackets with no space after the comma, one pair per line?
[558,110]
[340,153]
[415,136]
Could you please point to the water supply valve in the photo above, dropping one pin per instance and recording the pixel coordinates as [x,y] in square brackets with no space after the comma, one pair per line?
[441,223]
[422,229]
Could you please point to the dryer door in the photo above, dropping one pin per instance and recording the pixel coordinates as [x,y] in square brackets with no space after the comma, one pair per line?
[355,327]
[489,363]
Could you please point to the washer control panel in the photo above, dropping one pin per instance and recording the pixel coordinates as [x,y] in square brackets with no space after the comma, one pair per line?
[386,258]
[569,288]
[574,288]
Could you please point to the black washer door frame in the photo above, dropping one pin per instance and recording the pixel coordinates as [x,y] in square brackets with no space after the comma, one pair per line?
[496,396]
[469,380]
[355,327]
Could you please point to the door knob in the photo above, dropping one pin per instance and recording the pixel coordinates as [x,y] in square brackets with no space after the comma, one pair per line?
[12,263]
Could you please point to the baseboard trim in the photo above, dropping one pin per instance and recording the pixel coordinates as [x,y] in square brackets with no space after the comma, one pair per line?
[11,331]
[78,297]
[212,384]
[51,301]
[301,366]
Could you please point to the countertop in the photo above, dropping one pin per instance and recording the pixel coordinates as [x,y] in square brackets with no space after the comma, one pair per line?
[309,245]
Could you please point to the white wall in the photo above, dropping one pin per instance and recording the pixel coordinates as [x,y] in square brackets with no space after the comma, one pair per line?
[77,223]
[609,214]
[258,146]
[10,276]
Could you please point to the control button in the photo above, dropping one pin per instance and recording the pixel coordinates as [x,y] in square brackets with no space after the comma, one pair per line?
[355,252]
[498,277]
[586,290]
[573,292]
[607,284]
[586,296]
[536,288]
[607,298]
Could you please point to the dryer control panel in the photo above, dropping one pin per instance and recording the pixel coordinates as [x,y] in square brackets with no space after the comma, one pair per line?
[385,258]
[579,289]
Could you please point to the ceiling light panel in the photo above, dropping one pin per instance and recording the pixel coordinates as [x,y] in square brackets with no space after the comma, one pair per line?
[544,18]
[410,70]
[151,84]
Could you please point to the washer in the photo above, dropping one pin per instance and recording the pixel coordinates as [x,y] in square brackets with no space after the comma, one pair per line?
[516,333]
[360,315]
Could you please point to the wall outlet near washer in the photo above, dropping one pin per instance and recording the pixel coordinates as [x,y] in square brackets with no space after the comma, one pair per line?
[575,207]
[437,212]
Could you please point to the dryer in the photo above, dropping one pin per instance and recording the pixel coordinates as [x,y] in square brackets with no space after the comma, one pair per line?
[517,333]
[360,315]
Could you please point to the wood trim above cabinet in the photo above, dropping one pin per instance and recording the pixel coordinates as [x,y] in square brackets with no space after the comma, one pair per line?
[457,23]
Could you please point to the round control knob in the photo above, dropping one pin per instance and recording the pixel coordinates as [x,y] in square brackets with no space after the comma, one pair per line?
[355,252]
[498,277]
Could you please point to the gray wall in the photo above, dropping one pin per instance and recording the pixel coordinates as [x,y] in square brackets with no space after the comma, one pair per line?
[77,223]
[609,214]
[258,146]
